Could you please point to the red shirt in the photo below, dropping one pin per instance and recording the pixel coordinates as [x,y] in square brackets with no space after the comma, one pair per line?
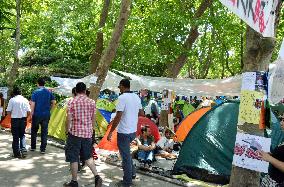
[82,110]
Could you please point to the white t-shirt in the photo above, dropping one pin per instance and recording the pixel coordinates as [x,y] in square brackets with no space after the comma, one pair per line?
[148,107]
[129,104]
[18,106]
[165,143]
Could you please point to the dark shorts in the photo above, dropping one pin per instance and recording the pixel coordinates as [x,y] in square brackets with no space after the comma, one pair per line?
[76,146]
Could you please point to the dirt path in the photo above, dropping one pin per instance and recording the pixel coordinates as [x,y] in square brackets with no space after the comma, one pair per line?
[51,170]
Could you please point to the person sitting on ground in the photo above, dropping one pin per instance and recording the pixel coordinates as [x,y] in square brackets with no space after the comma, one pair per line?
[276,159]
[164,146]
[205,103]
[146,146]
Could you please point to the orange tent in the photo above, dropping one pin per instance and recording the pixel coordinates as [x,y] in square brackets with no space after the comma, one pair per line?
[142,121]
[6,122]
[188,123]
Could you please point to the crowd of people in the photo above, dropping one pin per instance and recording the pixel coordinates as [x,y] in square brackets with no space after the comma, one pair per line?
[80,133]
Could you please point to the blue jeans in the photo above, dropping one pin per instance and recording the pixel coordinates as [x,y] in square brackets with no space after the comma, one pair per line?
[36,121]
[18,126]
[145,155]
[123,143]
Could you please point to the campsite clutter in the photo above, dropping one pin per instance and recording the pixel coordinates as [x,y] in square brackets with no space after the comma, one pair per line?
[202,125]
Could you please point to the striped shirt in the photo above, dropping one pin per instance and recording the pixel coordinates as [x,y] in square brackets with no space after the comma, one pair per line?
[81,110]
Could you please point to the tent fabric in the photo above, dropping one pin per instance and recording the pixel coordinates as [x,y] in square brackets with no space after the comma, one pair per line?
[101,126]
[106,115]
[111,82]
[142,121]
[187,109]
[188,87]
[6,123]
[56,126]
[276,133]
[105,104]
[109,145]
[208,147]
[187,124]
[58,117]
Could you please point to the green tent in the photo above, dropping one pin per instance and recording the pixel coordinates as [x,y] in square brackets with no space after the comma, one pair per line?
[207,151]
[105,104]
[56,126]
[186,107]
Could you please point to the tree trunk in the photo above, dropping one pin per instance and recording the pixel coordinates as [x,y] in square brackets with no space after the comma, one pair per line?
[15,66]
[110,51]
[97,53]
[257,56]
[174,68]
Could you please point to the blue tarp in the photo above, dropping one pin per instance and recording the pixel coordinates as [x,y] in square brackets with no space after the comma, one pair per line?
[106,114]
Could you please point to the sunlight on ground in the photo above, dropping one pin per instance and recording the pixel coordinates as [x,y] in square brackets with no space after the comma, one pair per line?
[51,170]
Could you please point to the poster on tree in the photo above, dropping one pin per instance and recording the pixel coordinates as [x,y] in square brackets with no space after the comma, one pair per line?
[247,152]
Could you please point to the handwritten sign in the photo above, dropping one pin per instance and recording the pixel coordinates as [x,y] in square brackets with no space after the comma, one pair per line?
[250,107]
[247,152]
[258,14]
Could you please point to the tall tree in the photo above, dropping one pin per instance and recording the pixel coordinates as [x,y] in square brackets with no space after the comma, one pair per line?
[257,57]
[97,53]
[15,67]
[175,67]
[110,51]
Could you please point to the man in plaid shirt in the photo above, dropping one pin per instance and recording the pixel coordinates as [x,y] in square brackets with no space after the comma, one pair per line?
[81,117]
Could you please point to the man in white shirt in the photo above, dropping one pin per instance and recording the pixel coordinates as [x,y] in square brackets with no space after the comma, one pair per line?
[128,108]
[19,108]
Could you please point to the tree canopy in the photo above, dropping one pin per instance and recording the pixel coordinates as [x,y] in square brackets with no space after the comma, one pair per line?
[58,37]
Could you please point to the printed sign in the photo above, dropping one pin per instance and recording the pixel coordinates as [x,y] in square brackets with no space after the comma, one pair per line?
[247,152]
[258,14]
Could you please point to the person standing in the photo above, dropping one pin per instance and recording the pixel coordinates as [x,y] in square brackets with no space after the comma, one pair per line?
[41,104]
[128,108]
[1,106]
[19,108]
[81,117]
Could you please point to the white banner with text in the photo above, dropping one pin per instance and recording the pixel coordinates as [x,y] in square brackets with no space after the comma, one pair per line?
[258,14]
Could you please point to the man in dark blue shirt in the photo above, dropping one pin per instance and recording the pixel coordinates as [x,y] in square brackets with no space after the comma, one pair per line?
[41,104]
